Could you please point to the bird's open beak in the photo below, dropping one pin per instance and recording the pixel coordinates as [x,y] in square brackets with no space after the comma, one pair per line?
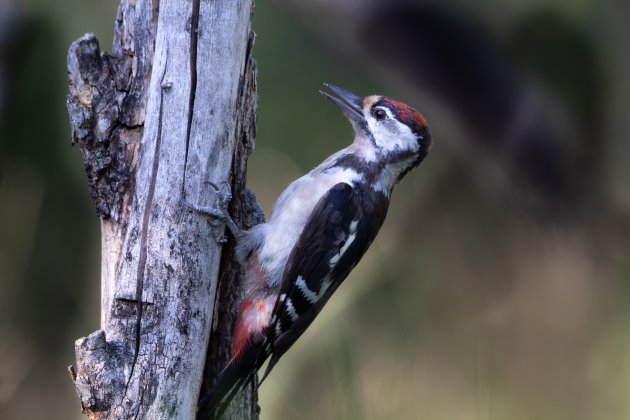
[350,104]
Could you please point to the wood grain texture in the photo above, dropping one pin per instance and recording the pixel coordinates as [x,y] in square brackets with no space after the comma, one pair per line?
[169,111]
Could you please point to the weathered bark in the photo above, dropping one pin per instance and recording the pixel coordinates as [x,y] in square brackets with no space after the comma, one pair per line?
[169,111]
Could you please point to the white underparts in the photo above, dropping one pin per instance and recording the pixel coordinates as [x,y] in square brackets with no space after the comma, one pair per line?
[389,175]
[291,213]
[257,317]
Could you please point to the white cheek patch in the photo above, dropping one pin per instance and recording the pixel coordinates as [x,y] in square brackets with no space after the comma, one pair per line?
[392,135]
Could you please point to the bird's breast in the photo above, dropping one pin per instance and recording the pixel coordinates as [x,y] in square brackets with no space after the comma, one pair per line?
[291,212]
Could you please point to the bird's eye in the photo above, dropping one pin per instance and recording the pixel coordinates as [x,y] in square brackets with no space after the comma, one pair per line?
[379,114]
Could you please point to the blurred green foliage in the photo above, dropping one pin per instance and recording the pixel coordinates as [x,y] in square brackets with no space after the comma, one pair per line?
[464,308]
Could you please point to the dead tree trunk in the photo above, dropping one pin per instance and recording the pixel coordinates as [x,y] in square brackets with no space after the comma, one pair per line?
[169,111]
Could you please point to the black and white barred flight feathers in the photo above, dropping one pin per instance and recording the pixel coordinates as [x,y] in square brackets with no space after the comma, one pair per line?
[318,230]
[331,244]
[339,231]
[231,380]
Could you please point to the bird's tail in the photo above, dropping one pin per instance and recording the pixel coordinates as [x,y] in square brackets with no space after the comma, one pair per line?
[231,380]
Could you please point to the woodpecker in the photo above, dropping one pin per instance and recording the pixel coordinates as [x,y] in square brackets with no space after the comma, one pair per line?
[317,232]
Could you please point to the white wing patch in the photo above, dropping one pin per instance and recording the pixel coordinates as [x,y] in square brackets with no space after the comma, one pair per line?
[351,237]
[291,310]
[308,293]
[311,296]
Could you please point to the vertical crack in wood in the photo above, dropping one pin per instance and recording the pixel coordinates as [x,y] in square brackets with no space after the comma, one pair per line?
[194,38]
[142,262]
[145,362]
[140,403]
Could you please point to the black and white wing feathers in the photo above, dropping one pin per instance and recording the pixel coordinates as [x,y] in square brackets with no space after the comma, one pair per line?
[337,233]
[339,230]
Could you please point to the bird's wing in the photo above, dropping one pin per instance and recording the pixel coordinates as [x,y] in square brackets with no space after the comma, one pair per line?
[337,233]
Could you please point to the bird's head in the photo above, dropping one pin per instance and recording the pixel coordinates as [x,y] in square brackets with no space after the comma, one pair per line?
[393,128]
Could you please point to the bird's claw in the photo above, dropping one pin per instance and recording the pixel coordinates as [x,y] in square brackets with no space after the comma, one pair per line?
[224,196]
[219,214]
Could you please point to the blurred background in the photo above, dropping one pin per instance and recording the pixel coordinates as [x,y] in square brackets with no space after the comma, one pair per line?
[499,287]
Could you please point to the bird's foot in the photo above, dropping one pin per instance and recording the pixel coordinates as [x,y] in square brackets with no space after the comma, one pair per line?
[220,212]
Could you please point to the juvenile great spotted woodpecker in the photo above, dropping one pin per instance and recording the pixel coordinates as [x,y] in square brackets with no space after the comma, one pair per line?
[317,232]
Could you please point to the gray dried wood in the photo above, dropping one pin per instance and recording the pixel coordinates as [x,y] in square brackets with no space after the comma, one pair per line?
[170,110]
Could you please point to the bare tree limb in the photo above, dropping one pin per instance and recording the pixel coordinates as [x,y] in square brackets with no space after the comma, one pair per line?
[169,111]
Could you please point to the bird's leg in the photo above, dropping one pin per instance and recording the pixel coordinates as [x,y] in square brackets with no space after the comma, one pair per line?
[219,213]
